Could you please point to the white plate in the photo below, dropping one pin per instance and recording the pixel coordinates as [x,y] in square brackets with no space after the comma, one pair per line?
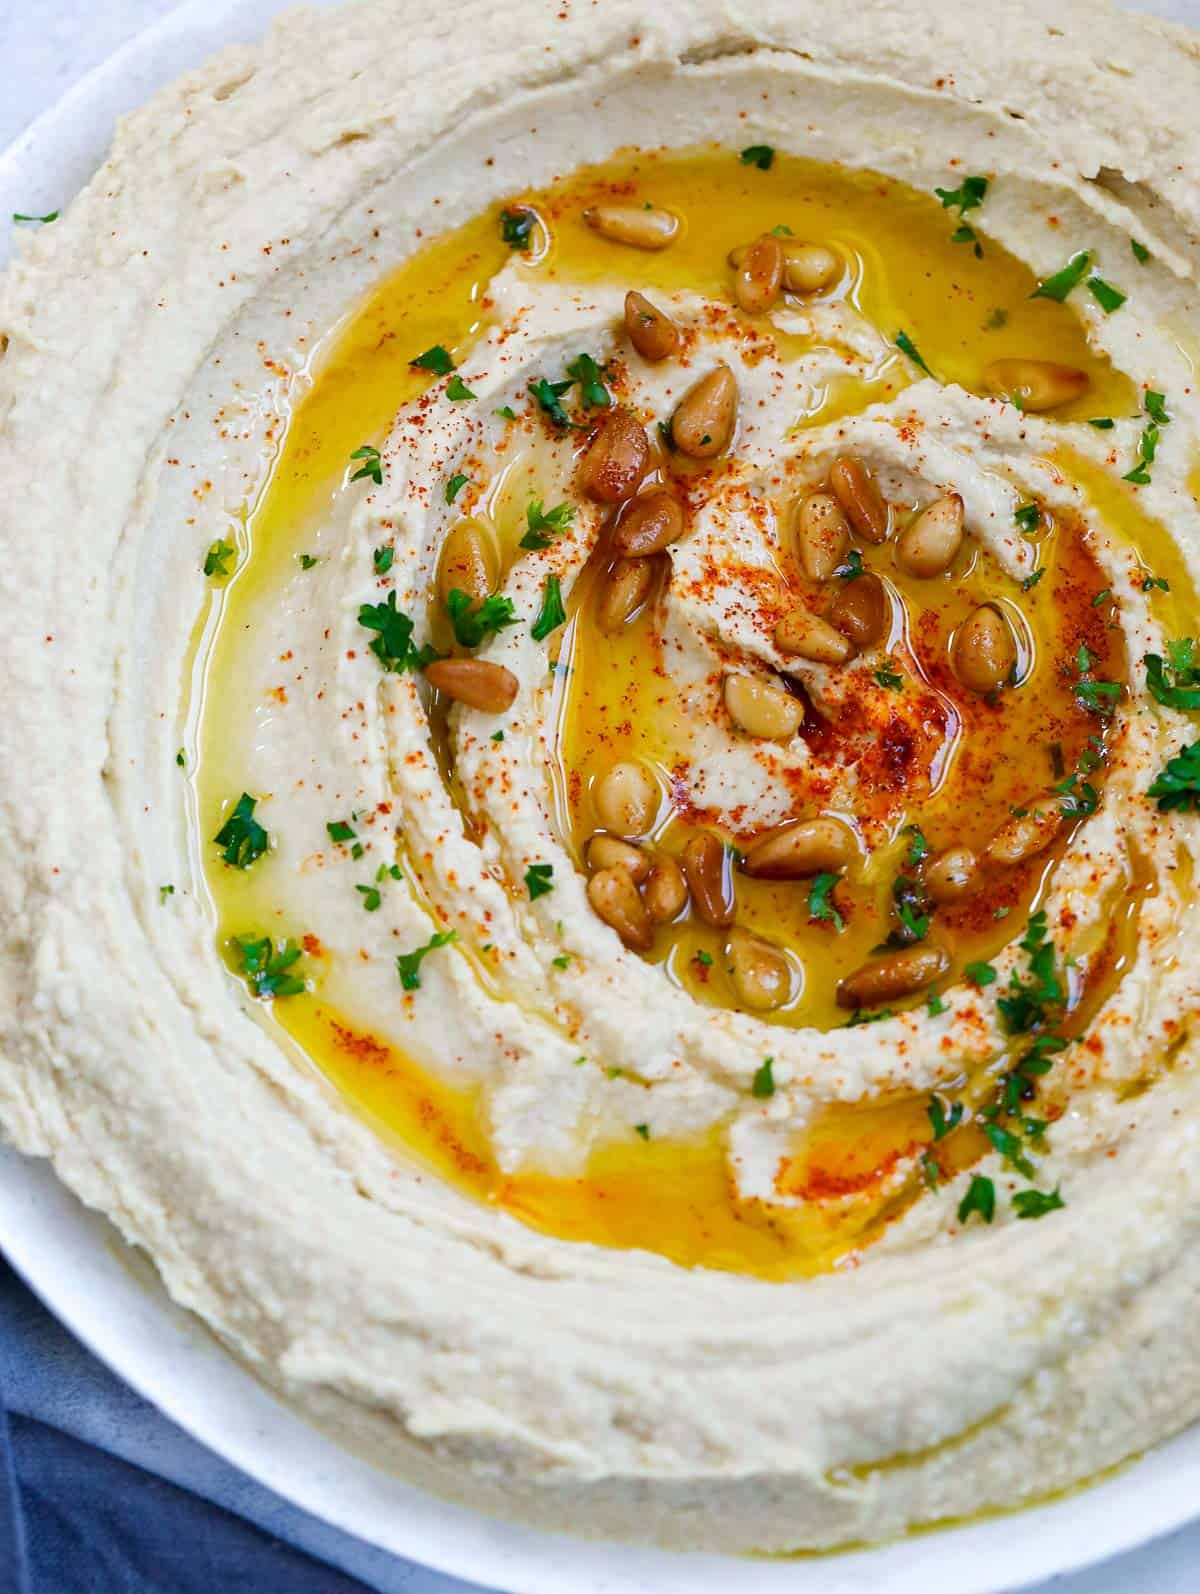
[74,1261]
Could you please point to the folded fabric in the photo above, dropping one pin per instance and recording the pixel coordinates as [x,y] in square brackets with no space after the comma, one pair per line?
[100,1494]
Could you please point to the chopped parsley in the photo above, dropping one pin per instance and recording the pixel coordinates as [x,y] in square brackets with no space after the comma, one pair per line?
[820,900]
[1097,697]
[907,347]
[1029,582]
[760,155]
[1177,683]
[372,466]
[552,613]
[703,958]
[889,679]
[1102,423]
[543,525]
[1105,295]
[913,909]
[181,758]
[643,1130]
[164,892]
[1178,785]
[516,226]
[1140,253]
[997,319]
[371,897]
[592,391]
[918,846]
[506,412]
[968,196]
[1010,1148]
[497,736]
[1061,283]
[218,555]
[264,965]
[1028,517]
[852,568]
[408,964]
[549,397]
[241,836]
[473,621]
[764,1079]
[1036,1203]
[436,359]
[980,1198]
[1028,1001]
[980,974]
[457,390]
[51,215]
[393,645]
[868,1016]
[1155,406]
[307,560]
[934,1006]
[941,1120]
[539,880]
[383,558]
[562,961]
[455,486]
[339,830]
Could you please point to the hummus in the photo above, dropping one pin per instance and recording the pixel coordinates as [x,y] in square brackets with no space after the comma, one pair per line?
[620,922]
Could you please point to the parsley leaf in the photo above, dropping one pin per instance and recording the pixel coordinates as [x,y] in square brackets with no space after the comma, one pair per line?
[1178,785]
[968,196]
[549,397]
[242,837]
[339,830]
[1155,406]
[942,1121]
[457,390]
[1027,516]
[371,897]
[516,226]
[436,359]
[455,486]
[1029,582]
[308,560]
[764,1080]
[1009,1147]
[1140,253]
[1060,284]
[1102,423]
[372,466]
[980,974]
[760,155]
[1036,1203]
[852,568]
[473,622]
[265,964]
[393,646]
[918,846]
[820,900]
[408,964]
[1177,684]
[539,880]
[552,613]
[889,679]
[1025,1006]
[907,347]
[51,215]
[1105,295]
[219,553]
[592,391]
[383,558]
[545,524]
[980,1197]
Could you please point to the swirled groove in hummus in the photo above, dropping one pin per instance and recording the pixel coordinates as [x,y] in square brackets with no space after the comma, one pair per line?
[599,823]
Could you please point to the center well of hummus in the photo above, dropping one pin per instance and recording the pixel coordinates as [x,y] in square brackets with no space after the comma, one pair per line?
[650,726]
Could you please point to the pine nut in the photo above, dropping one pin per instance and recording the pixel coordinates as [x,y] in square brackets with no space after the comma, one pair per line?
[822,536]
[623,590]
[616,460]
[759,275]
[800,848]
[468,563]
[1025,835]
[809,268]
[984,650]
[607,852]
[807,636]
[638,226]
[626,799]
[709,879]
[952,874]
[614,898]
[476,682]
[929,545]
[1036,384]
[653,334]
[860,610]
[704,419]
[851,484]
[762,979]
[895,975]
[666,891]
[762,709]
[652,522]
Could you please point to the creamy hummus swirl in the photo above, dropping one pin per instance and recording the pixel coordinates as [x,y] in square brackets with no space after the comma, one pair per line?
[474,1346]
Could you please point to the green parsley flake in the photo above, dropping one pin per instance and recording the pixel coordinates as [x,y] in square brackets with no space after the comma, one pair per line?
[552,613]
[980,1198]
[164,892]
[539,881]
[457,390]
[543,525]
[1028,517]
[43,221]
[980,974]
[1177,683]
[372,466]
[244,840]
[941,1120]
[383,558]
[408,964]
[1140,253]
[307,560]
[516,226]
[1102,423]
[339,830]
[264,965]
[436,359]
[215,560]
[907,347]
[1036,1203]
[181,758]
[455,486]
[1178,785]
[592,391]
[889,679]
[820,900]
[1061,283]
[549,398]
[764,1080]
[393,646]
[1105,295]
[760,155]
[643,1130]
[1029,582]
[473,621]
[371,897]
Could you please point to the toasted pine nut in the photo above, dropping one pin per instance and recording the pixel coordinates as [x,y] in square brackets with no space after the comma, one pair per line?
[1025,835]
[636,225]
[623,591]
[984,650]
[616,460]
[1036,384]
[761,976]
[653,334]
[476,682]
[851,484]
[762,709]
[928,546]
[759,275]
[652,522]
[607,852]
[800,848]
[860,610]
[666,891]
[809,637]
[709,878]
[467,562]
[822,536]
[704,419]
[809,268]
[614,898]
[626,799]
[952,874]
[897,974]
